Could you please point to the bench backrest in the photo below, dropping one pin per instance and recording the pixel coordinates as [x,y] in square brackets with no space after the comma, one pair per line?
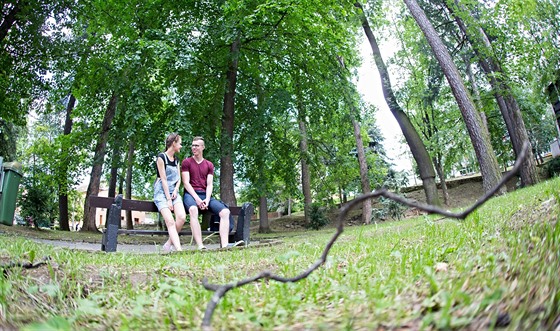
[137,205]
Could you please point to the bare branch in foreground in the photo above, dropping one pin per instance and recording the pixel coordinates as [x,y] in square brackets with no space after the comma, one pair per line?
[221,290]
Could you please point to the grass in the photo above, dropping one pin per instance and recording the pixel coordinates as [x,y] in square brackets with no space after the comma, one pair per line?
[499,269]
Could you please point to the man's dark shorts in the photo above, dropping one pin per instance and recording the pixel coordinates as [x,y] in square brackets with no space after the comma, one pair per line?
[215,206]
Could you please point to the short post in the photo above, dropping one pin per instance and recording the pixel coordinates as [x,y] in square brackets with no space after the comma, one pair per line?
[244,223]
[109,240]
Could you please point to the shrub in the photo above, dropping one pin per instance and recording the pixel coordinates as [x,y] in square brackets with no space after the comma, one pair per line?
[553,167]
[37,206]
[391,209]
[317,219]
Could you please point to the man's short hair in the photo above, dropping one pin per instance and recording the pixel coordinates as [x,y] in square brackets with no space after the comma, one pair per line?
[199,138]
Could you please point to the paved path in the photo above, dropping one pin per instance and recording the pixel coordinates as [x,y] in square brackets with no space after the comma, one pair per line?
[140,249]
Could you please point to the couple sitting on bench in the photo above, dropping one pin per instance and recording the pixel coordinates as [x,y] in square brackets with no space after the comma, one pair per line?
[197,175]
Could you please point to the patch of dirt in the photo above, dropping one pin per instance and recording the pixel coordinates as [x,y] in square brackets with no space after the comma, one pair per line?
[463,192]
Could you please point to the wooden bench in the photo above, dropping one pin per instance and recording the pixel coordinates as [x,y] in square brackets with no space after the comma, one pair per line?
[118,204]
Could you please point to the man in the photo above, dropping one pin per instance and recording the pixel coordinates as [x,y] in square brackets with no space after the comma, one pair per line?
[198,175]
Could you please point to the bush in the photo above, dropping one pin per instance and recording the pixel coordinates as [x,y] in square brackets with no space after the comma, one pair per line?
[391,209]
[318,218]
[38,206]
[552,167]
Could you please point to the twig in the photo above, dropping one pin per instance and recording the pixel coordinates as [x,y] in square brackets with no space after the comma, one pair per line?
[25,265]
[221,290]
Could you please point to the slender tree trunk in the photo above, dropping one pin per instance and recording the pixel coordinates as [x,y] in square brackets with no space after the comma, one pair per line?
[364,179]
[115,161]
[304,152]
[504,97]
[262,183]
[63,182]
[95,177]
[305,177]
[442,179]
[227,193]
[417,147]
[264,226]
[121,183]
[477,99]
[485,154]
[129,164]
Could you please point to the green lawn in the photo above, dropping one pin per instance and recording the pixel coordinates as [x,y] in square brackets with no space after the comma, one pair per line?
[499,269]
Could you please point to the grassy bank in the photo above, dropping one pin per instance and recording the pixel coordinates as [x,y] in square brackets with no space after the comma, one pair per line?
[499,269]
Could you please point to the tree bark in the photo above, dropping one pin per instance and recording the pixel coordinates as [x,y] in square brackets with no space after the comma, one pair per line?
[227,193]
[477,100]
[264,226]
[99,154]
[63,182]
[481,142]
[442,178]
[129,163]
[305,177]
[417,147]
[304,151]
[115,163]
[503,94]
[364,178]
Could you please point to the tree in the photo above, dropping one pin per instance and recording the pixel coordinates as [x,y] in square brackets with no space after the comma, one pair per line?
[417,147]
[63,184]
[98,158]
[481,142]
[364,179]
[502,92]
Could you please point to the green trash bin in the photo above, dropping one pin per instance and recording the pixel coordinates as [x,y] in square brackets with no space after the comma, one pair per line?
[9,184]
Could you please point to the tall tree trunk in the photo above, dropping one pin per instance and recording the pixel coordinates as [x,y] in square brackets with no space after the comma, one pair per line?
[305,177]
[121,183]
[264,226]
[63,182]
[504,96]
[481,142]
[10,19]
[364,178]
[95,177]
[477,100]
[129,163]
[115,162]
[441,174]
[262,183]
[304,152]
[227,193]
[417,147]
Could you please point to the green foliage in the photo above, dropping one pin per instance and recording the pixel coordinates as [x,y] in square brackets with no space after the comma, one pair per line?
[552,167]
[389,208]
[38,205]
[318,218]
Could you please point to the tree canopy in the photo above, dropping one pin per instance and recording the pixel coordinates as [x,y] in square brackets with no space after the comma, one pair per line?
[259,80]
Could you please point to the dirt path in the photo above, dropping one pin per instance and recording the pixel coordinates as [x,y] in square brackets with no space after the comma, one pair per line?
[462,192]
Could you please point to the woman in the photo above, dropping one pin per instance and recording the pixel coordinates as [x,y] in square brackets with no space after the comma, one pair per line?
[166,190]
